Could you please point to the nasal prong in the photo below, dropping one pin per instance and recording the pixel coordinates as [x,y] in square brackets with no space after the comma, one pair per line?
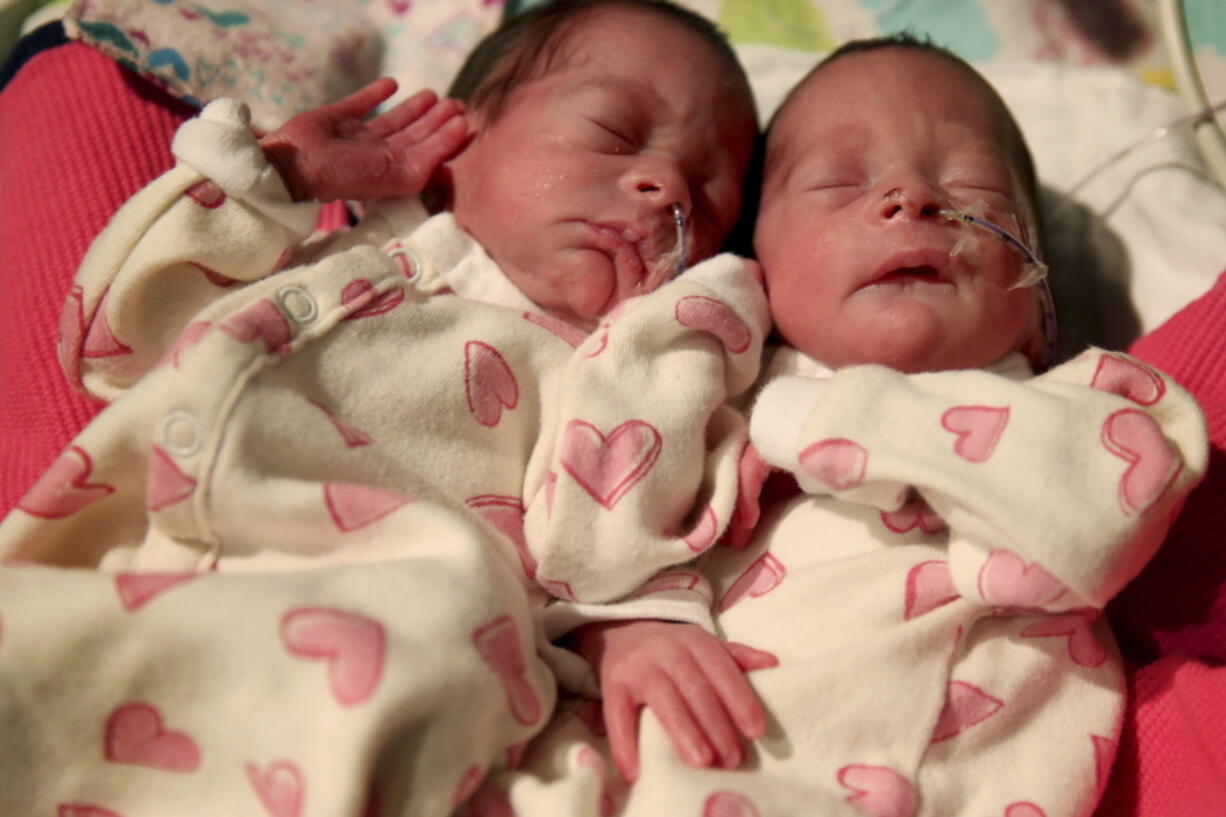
[896,200]
[679,222]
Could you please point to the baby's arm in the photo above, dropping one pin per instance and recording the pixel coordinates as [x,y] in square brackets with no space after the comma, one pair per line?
[223,217]
[1056,490]
[639,468]
[638,462]
[642,466]
[693,681]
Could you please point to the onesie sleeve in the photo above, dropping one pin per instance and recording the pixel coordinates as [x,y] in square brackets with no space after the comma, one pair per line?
[219,218]
[637,466]
[1055,490]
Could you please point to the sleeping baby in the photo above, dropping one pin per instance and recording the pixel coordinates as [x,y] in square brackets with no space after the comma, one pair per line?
[457,406]
[933,595]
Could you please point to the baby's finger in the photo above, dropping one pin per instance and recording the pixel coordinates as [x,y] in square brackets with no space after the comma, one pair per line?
[418,161]
[431,121]
[735,693]
[758,274]
[404,113]
[712,713]
[365,99]
[750,659]
[621,724]
[686,735]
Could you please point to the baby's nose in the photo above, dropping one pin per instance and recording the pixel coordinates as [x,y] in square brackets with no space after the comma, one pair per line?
[660,182]
[912,201]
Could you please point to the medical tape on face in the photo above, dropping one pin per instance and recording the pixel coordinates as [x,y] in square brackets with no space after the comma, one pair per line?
[672,263]
[972,216]
[1035,271]
[676,259]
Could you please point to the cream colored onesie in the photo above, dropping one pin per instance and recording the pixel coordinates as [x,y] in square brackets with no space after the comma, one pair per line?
[401,416]
[933,597]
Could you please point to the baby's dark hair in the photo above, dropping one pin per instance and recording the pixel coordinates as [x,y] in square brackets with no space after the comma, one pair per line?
[906,39]
[527,47]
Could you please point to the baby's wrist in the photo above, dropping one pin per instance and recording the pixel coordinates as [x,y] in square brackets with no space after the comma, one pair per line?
[282,154]
[778,415]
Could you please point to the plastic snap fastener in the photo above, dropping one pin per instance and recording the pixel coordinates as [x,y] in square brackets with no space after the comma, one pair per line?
[405,260]
[298,304]
[181,434]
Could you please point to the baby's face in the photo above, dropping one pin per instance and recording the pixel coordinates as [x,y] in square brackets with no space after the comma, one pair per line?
[858,267]
[570,190]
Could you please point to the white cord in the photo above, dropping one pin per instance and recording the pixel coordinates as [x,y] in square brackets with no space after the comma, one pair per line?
[1209,134]
[1194,119]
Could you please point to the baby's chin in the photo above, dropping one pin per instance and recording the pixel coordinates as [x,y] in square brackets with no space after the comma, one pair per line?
[916,335]
[909,344]
[932,358]
[576,287]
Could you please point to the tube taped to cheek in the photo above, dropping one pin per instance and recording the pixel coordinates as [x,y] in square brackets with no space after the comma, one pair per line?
[674,262]
[1034,270]
[678,255]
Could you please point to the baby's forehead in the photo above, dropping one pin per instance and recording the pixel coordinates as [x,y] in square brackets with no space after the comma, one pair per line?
[824,100]
[580,40]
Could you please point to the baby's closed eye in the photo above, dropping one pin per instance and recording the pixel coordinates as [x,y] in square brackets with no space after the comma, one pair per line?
[996,196]
[986,177]
[835,191]
[611,137]
[988,185]
[834,183]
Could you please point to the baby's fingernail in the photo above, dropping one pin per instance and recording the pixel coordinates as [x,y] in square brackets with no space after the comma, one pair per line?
[697,755]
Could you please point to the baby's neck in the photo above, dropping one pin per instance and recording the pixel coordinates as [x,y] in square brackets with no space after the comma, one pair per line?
[786,360]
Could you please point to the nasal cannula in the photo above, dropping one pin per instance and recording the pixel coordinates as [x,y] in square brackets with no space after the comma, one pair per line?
[679,222]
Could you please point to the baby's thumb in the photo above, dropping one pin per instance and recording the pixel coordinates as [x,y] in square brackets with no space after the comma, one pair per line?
[750,659]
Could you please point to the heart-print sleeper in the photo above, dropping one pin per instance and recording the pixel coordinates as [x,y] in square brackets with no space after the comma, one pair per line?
[381,403]
[934,597]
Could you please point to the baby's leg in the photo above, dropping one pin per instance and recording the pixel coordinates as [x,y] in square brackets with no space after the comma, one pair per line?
[339,692]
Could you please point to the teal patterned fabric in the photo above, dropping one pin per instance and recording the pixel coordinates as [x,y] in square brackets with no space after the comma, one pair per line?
[284,56]
[962,26]
[1124,33]
[1206,20]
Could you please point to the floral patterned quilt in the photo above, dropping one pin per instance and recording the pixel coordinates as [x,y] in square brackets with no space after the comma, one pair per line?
[283,56]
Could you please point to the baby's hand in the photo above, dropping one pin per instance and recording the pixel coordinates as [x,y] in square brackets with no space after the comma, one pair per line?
[332,152]
[693,681]
[756,270]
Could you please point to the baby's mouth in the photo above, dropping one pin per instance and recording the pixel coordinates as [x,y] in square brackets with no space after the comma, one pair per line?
[905,274]
[919,266]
